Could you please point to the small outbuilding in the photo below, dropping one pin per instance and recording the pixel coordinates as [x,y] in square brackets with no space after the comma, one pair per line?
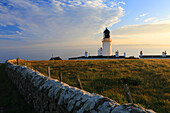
[55,58]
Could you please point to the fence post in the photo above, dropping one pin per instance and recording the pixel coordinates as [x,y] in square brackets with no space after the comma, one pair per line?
[37,68]
[127,93]
[48,71]
[60,76]
[79,82]
[18,61]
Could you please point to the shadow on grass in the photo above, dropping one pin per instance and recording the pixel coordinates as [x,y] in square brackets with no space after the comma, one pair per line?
[10,99]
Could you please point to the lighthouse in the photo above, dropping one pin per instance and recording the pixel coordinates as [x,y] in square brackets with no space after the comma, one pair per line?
[104,52]
[107,44]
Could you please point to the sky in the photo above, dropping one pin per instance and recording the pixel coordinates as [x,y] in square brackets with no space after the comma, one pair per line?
[36,29]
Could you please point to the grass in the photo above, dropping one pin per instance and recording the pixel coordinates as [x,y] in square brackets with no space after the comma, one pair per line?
[148,80]
[10,99]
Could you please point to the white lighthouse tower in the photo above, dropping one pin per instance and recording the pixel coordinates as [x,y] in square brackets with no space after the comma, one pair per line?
[107,44]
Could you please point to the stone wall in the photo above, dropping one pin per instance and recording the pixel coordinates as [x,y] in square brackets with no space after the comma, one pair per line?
[52,96]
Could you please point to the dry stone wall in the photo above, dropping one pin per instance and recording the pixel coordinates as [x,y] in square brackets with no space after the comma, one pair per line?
[52,96]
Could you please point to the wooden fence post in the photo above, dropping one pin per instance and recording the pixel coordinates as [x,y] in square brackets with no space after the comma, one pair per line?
[37,68]
[79,82]
[18,61]
[60,76]
[127,93]
[48,71]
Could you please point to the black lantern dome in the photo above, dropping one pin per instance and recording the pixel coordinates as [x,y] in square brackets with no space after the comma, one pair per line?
[106,33]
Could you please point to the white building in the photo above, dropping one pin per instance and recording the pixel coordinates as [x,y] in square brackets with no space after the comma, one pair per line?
[117,54]
[163,56]
[100,52]
[107,44]
[86,54]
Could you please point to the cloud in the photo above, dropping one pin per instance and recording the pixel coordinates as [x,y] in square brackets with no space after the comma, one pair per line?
[163,20]
[57,20]
[142,34]
[142,15]
[122,2]
[19,32]
[137,18]
[149,19]
[142,29]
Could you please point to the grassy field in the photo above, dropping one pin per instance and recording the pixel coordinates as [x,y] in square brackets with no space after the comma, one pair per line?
[10,99]
[148,80]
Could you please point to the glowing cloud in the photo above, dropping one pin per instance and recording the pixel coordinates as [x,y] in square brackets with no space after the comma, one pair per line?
[57,20]
[143,34]
[142,15]
[149,19]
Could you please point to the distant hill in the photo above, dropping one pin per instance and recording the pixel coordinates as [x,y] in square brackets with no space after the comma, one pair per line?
[148,80]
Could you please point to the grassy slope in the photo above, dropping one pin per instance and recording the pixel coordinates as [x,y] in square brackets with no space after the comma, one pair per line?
[148,80]
[10,99]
